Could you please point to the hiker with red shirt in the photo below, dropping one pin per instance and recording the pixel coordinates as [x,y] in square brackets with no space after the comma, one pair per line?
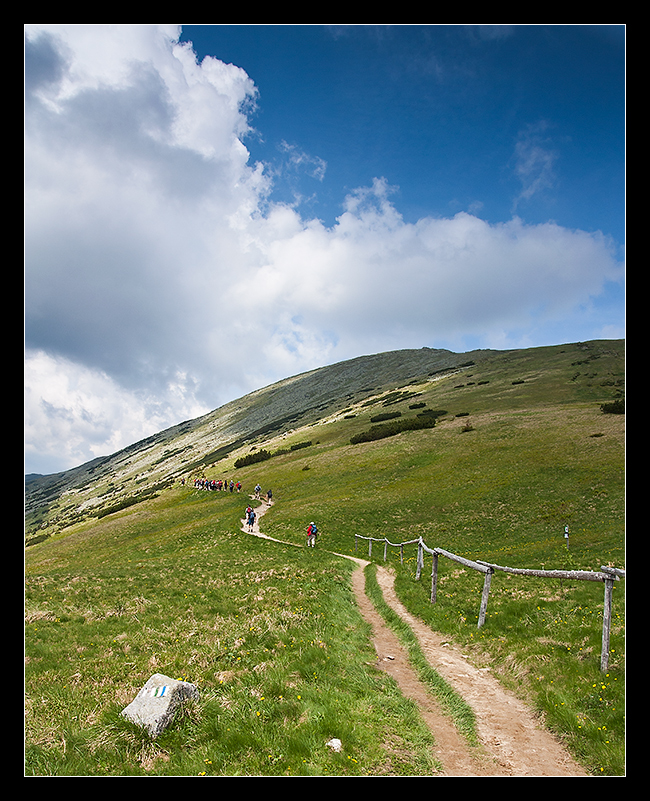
[312,533]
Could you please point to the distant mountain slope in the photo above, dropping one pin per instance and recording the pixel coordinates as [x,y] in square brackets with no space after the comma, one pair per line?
[146,467]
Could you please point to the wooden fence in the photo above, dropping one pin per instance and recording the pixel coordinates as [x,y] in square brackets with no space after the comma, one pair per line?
[608,575]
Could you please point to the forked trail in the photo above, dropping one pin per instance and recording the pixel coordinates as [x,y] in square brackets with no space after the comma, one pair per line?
[512,743]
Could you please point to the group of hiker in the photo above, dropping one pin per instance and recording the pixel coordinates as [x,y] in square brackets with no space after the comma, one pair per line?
[213,484]
[225,485]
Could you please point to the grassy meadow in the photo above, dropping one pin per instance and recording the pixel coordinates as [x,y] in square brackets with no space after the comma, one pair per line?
[271,634]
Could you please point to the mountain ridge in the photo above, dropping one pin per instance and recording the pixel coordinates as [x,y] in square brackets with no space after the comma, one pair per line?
[384,367]
[150,465]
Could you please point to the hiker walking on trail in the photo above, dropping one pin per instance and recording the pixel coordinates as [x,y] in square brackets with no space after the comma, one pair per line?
[269,495]
[312,533]
[251,520]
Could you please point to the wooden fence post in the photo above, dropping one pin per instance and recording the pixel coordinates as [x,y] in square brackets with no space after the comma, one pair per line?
[418,570]
[434,579]
[612,575]
[607,623]
[484,597]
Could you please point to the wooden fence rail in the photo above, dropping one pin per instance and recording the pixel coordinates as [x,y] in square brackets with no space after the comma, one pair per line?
[608,575]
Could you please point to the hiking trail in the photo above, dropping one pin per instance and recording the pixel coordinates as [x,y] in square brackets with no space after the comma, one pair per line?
[512,742]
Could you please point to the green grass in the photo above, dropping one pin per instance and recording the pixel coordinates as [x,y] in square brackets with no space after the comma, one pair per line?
[271,633]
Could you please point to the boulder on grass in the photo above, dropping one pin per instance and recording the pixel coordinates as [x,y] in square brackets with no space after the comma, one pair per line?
[155,705]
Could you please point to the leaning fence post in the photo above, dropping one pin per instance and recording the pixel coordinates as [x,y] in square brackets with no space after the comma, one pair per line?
[484,597]
[385,548]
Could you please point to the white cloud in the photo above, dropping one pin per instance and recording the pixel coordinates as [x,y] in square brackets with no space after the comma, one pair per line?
[534,161]
[160,281]
[74,414]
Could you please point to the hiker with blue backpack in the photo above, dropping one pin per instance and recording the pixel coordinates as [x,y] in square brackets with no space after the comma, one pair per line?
[312,533]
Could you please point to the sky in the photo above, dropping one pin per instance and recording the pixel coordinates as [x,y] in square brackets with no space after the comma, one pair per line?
[212,208]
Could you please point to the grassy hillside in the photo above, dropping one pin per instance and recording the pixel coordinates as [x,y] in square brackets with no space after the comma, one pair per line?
[148,467]
[520,448]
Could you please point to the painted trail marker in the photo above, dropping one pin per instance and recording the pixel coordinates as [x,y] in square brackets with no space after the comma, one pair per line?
[155,705]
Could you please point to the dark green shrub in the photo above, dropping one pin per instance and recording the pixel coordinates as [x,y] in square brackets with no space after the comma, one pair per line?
[433,413]
[378,418]
[394,427]
[125,504]
[615,407]
[252,458]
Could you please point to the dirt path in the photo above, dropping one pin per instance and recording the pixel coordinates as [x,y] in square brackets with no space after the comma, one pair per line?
[512,743]
[512,739]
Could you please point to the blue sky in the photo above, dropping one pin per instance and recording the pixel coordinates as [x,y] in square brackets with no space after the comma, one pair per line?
[209,209]
[439,111]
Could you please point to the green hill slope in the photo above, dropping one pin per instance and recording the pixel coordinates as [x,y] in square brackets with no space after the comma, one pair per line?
[151,465]
[129,569]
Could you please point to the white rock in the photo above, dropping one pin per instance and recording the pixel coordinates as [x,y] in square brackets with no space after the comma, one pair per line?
[155,705]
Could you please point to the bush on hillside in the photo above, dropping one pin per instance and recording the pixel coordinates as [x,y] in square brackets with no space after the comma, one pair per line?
[126,503]
[296,447]
[263,455]
[615,407]
[252,458]
[394,427]
[378,418]
[433,413]
[299,445]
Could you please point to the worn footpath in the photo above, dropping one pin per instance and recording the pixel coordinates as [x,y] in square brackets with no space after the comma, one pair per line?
[512,742]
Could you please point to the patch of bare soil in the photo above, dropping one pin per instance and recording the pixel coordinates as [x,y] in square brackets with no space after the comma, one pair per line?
[512,741]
